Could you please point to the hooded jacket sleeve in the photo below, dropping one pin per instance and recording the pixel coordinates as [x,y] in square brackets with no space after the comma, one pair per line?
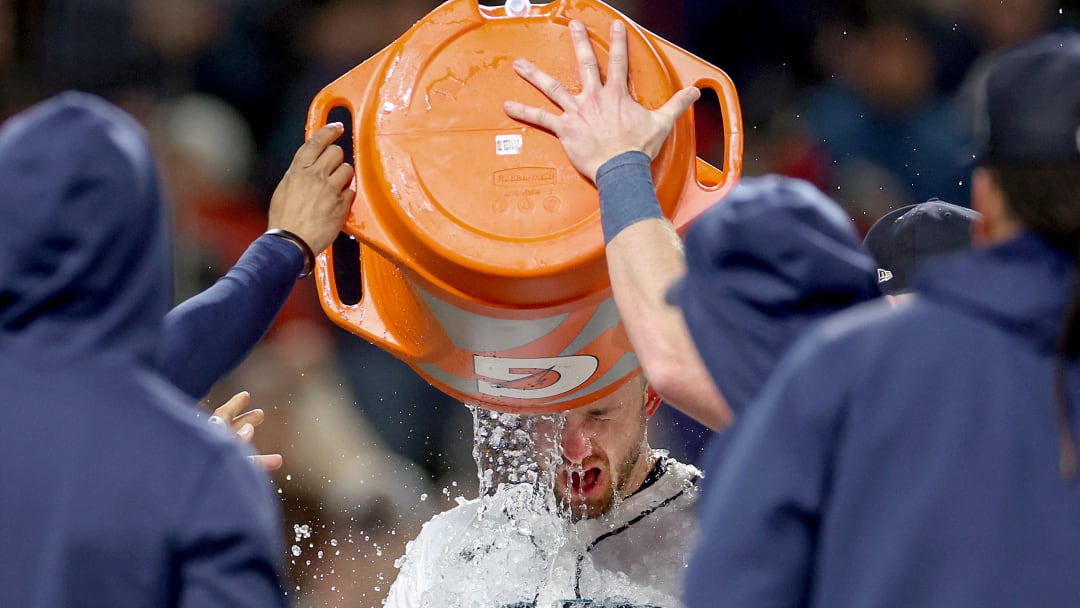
[207,335]
[229,541]
[759,520]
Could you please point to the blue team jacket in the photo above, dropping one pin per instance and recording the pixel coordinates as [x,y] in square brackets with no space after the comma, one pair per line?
[111,492]
[907,457]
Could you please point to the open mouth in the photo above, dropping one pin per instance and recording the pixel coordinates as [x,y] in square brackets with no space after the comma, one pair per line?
[585,482]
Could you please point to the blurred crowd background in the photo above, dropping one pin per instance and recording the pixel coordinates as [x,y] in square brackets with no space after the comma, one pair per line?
[873,101]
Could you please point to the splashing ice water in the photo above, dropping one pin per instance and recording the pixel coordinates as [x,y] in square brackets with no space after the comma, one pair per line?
[513,530]
[515,449]
[517,544]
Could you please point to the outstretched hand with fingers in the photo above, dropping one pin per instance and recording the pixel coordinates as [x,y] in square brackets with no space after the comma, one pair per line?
[313,197]
[243,423]
[603,120]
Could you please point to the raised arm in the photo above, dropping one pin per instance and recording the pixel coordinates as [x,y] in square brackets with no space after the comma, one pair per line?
[611,139]
[208,334]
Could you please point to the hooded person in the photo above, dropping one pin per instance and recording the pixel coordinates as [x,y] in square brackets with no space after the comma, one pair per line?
[774,257]
[926,455]
[115,495]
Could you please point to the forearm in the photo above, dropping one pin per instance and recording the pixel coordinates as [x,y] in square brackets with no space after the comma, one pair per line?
[207,335]
[656,329]
[645,256]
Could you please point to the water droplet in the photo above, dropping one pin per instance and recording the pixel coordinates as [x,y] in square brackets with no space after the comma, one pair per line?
[296,553]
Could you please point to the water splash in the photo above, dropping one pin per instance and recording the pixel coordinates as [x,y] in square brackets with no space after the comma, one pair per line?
[516,449]
[517,544]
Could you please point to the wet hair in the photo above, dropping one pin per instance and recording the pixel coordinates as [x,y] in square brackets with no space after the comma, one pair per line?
[1045,197]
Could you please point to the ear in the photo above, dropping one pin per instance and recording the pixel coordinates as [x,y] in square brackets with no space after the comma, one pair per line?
[652,401]
[988,199]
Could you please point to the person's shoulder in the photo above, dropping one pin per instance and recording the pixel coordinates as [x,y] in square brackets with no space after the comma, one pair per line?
[869,321]
[680,485]
[676,472]
[121,402]
[174,414]
[110,415]
[452,520]
[849,348]
[674,491]
[839,344]
[143,411]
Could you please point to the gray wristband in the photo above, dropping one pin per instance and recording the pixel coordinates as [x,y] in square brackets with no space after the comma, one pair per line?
[627,195]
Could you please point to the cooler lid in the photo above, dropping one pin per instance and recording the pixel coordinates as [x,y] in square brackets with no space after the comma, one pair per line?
[474,202]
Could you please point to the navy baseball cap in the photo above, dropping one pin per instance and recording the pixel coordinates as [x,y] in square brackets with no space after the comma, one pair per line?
[1032,103]
[903,238]
[774,256]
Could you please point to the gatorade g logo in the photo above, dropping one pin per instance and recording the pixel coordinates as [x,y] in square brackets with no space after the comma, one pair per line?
[530,363]
[532,378]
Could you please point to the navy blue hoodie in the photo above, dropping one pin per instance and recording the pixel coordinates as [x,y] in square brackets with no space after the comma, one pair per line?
[113,494]
[907,457]
[775,257]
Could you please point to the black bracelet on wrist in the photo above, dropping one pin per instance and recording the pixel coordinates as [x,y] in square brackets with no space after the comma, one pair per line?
[309,255]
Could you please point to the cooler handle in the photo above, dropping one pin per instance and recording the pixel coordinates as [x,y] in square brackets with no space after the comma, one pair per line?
[711,183]
[362,318]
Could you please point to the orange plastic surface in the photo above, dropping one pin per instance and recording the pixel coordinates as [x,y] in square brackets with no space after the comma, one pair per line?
[467,216]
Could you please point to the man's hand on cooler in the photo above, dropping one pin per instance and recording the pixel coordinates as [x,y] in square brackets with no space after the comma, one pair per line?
[243,426]
[313,197]
[603,120]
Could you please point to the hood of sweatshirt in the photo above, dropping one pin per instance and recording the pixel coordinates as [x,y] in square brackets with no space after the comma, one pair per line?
[775,256]
[84,253]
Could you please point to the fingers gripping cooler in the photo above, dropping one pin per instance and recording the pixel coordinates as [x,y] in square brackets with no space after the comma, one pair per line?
[481,255]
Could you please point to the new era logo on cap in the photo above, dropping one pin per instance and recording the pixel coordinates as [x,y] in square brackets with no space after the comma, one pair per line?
[901,239]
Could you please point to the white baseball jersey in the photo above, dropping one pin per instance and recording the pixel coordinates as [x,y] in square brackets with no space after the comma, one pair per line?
[495,553]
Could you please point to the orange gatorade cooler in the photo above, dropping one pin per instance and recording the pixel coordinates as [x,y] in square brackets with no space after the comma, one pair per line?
[481,255]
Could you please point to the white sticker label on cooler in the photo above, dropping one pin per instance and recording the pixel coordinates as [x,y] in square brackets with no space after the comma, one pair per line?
[508,144]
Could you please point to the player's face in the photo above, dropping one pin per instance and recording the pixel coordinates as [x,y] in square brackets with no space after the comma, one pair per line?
[604,452]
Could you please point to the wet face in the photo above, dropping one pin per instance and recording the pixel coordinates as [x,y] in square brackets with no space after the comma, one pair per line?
[604,452]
